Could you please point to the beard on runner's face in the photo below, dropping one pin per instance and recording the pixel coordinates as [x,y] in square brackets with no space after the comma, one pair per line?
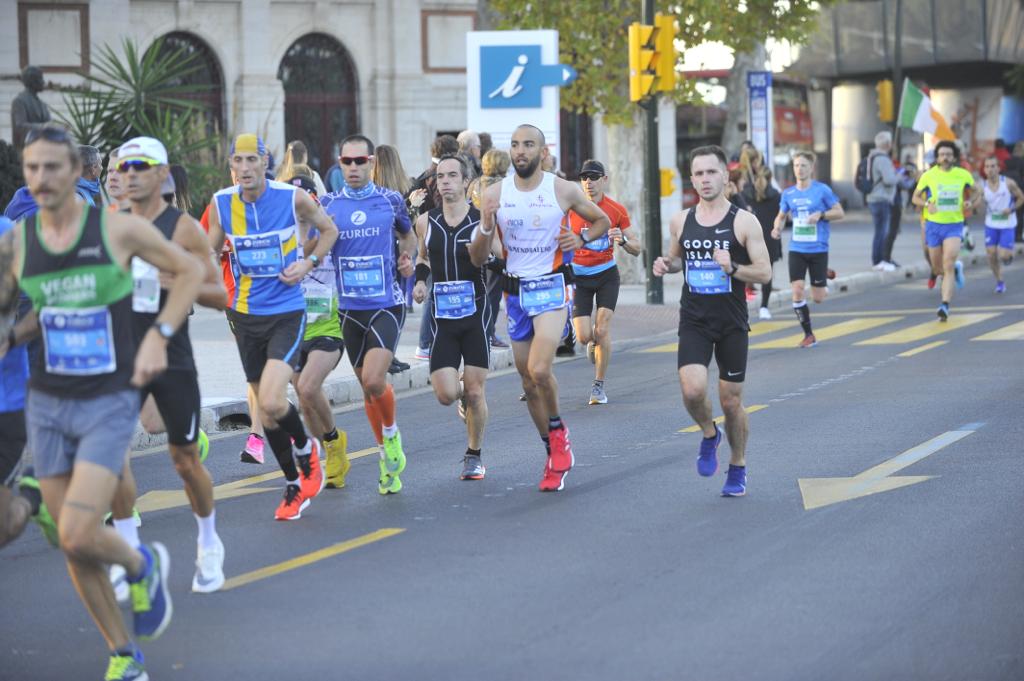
[526,167]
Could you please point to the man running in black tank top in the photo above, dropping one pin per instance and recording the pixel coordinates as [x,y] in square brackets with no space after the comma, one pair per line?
[722,248]
[452,251]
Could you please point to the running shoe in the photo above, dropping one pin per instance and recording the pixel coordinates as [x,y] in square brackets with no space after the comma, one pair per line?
[553,481]
[751,294]
[204,445]
[566,350]
[398,367]
[394,457]
[337,460]
[809,341]
[151,600]
[497,342]
[311,473]
[253,450]
[28,486]
[592,352]
[1000,287]
[292,505]
[764,313]
[831,273]
[472,468]
[522,397]
[561,459]
[707,458]
[943,312]
[126,668]
[209,575]
[735,482]
[422,353]
[931,282]
[387,483]
[1007,260]
[959,273]
[597,395]
[119,581]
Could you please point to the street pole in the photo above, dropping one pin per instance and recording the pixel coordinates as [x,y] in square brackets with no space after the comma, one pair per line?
[652,184]
[897,76]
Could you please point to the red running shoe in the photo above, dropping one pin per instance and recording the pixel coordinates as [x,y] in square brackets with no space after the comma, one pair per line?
[311,473]
[293,504]
[561,458]
[552,481]
[931,281]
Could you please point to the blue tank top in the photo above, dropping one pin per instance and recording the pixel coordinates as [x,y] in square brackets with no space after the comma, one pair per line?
[264,241]
[364,254]
[14,365]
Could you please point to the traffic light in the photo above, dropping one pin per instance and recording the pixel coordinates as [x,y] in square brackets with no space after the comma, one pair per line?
[886,109]
[666,44]
[668,186]
[642,61]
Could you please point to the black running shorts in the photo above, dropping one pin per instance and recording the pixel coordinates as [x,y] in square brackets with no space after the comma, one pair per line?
[176,393]
[365,330]
[461,340]
[12,444]
[698,343]
[326,344]
[604,286]
[263,337]
[815,263]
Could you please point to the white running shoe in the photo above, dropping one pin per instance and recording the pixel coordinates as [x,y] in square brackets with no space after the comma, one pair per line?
[209,575]
[764,313]
[119,580]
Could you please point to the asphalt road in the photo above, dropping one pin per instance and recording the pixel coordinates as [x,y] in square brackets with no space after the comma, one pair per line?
[639,569]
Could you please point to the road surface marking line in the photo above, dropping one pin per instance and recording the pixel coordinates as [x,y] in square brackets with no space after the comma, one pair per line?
[1013,332]
[763,328]
[721,419]
[920,310]
[923,348]
[919,332]
[310,558]
[829,332]
[667,347]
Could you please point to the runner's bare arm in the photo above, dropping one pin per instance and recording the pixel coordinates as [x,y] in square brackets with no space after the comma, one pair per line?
[835,213]
[673,262]
[190,235]
[216,231]
[780,222]
[571,197]
[27,327]
[919,198]
[407,250]
[309,212]
[749,234]
[483,241]
[1016,193]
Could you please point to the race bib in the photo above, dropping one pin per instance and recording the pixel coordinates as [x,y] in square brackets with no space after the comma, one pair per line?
[601,243]
[362,276]
[319,299]
[259,256]
[948,200]
[999,219]
[78,342]
[541,294]
[803,229]
[706,277]
[454,299]
[146,292]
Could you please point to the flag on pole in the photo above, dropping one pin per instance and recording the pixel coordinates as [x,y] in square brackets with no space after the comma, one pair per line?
[917,113]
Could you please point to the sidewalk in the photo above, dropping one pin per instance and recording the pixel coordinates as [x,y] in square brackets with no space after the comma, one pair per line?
[223,386]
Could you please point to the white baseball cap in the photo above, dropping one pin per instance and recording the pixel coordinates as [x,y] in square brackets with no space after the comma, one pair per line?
[143,149]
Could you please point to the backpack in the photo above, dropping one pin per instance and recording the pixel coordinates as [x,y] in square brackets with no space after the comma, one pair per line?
[862,180]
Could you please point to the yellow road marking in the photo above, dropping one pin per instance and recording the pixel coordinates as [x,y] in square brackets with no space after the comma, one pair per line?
[159,500]
[721,419]
[667,347]
[920,310]
[912,334]
[1007,333]
[829,332]
[310,558]
[761,328]
[923,348]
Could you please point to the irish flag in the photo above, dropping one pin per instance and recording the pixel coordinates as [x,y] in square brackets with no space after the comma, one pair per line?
[917,113]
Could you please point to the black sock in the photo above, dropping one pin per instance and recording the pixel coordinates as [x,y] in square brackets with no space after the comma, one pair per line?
[598,383]
[766,293]
[331,436]
[803,314]
[547,443]
[281,445]
[33,497]
[473,452]
[293,425]
[946,303]
[554,422]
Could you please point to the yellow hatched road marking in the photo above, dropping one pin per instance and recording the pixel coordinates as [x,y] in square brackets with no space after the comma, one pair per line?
[310,558]
[721,419]
[1007,333]
[667,347]
[918,332]
[829,332]
[923,348]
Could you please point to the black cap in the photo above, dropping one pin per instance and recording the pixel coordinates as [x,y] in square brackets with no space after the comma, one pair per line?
[592,166]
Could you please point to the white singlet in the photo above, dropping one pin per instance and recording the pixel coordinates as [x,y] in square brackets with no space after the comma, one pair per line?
[529,224]
[996,202]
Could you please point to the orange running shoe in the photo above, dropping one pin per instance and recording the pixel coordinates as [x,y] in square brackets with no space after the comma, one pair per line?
[561,458]
[311,473]
[293,504]
[553,481]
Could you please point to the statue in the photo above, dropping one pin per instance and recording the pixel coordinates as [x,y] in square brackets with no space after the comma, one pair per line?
[27,110]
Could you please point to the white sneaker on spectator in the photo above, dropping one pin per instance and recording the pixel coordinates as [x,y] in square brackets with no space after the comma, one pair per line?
[764,313]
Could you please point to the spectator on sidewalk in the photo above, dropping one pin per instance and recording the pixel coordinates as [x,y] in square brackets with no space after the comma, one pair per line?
[469,150]
[762,198]
[879,199]
[906,180]
[442,146]
[297,155]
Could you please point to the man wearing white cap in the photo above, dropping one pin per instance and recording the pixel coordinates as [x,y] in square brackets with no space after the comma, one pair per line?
[145,179]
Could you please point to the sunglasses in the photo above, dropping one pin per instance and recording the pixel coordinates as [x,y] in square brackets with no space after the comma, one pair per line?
[358,160]
[591,177]
[135,164]
[48,133]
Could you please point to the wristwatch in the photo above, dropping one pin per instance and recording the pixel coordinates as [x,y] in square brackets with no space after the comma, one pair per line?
[164,329]
[313,259]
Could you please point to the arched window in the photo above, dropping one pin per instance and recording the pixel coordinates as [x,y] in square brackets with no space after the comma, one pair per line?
[320,96]
[208,73]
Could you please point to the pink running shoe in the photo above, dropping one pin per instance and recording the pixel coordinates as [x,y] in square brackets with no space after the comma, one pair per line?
[561,459]
[253,451]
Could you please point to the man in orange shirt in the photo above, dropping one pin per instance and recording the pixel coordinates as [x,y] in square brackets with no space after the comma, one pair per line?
[597,275]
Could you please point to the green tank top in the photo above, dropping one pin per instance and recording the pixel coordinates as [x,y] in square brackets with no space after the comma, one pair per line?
[84,301]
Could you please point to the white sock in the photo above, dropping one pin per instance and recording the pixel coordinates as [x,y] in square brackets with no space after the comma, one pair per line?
[126,528]
[207,530]
[391,431]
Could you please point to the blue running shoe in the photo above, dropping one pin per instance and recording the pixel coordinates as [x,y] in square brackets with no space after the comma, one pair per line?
[126,667]
[959,272]
[943,312]
[707,460]
[735,482]
[151,600]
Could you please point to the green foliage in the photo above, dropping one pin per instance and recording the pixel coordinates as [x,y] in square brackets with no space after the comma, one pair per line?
[593,38]
[10,173]
[1015,79]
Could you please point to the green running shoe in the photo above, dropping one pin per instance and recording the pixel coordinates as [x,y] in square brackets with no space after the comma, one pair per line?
[126,668]
[204,446]
[394,457]
[29,487]
[388,483]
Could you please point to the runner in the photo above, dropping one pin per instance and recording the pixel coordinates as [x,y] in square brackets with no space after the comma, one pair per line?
[597,274]
[171,402]
[529,210]
[1002,198]
[722,248]
[812,205]
[73,262]
[265,223]
[452,252]
[113,185]
[370,301]
[940,192]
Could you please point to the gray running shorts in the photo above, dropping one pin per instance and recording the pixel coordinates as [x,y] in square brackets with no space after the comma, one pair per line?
[64,431]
